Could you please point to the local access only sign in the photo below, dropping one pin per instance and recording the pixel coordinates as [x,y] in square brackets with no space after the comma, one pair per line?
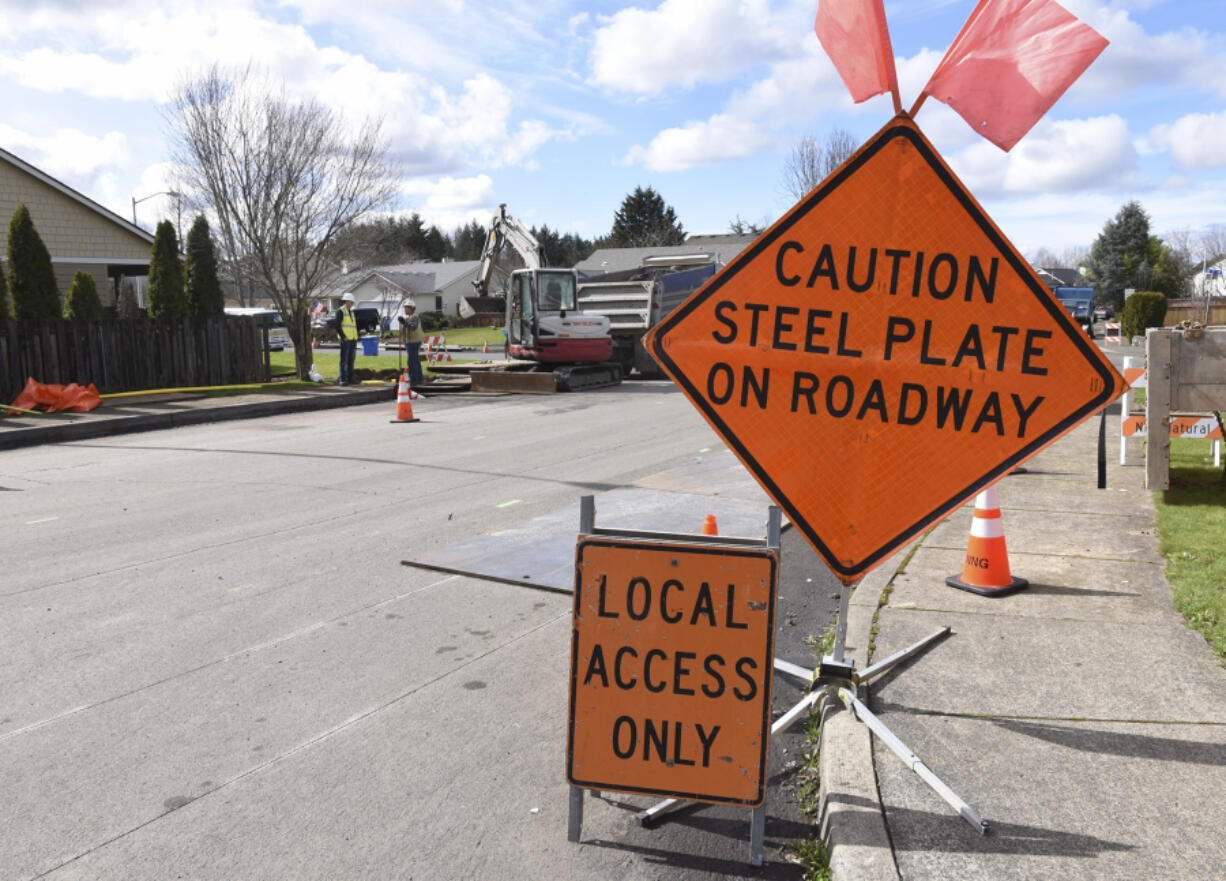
[671,665]
[881,354]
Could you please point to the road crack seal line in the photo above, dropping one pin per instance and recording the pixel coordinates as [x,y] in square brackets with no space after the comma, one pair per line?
[356,719]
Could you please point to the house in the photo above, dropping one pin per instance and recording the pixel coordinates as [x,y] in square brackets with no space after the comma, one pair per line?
[79,233]
[434,287]
[724,247]
[1210,280]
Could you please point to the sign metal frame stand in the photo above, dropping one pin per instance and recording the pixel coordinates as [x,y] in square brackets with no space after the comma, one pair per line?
[837,677]
[838,674]
[774,529]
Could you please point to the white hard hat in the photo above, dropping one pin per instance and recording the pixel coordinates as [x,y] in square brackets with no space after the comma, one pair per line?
[347,298]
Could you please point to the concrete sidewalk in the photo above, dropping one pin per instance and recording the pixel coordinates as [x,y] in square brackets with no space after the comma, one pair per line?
[1080,717]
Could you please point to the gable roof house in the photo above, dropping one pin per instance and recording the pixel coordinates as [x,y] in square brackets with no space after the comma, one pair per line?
[79,233]
[434,287]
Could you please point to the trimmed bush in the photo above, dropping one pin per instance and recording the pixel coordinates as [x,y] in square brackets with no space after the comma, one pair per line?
[1143,310]
[200,280]
[83,301]
[167,298]
[31,278]
[434,321]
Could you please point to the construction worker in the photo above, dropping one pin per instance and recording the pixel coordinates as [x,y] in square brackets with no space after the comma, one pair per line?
[410,338]
[347,330]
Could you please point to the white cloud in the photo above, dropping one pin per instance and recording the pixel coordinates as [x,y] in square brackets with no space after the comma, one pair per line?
[717,139]
[432,128]
[1136,58]
[796,90]
[450,201]
[1059,156]
[1197,141]
[68,153]
[683,42]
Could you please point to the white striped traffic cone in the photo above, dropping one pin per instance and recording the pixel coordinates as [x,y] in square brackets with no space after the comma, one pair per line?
[404,400]
[986,571]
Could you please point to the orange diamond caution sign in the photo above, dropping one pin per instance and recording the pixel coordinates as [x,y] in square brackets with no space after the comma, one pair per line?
[671,662]
[882,353]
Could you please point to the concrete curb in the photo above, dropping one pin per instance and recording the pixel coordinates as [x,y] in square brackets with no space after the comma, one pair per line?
[851,818]
[88,429]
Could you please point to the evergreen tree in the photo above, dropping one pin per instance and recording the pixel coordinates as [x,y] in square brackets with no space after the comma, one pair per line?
[84,304]
[4,297]
[468,242]
[644,221]
[31,278]
[1125,255]
[201,285]
[166,296]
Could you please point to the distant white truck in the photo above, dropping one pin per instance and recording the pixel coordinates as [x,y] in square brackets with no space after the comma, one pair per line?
[635,300]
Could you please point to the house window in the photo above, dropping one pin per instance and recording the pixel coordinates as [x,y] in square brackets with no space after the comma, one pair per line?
[438,302]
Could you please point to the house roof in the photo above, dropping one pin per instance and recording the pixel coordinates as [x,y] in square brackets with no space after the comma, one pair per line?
[68,191]
[603,260]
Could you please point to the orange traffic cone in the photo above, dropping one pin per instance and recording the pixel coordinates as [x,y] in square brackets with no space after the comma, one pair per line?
[485,347]
[404,401]
[987,561]
[708,525]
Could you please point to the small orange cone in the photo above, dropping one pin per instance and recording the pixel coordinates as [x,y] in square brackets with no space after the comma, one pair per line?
[708,525]
[404,401]
[485,347]
[987,561]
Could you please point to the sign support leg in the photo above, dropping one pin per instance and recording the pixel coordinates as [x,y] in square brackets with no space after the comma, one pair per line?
[757,832]
[912,761]
[574,823]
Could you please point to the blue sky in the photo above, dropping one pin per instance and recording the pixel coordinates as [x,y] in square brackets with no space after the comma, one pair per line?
[560,108]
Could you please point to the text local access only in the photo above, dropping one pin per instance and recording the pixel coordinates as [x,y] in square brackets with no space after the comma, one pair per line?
[675,672]
[827,333]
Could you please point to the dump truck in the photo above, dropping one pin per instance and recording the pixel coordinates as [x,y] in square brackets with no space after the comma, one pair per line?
[634,300]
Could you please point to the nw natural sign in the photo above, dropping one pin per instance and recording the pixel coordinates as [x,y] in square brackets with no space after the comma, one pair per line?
[671,669]
[882,353]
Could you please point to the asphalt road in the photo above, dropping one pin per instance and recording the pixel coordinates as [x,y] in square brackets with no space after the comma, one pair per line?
[213,665]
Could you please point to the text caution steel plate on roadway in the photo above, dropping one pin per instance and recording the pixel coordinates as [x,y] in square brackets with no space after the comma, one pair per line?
[881,354]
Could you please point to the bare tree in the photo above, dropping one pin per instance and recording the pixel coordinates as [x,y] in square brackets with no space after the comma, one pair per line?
[1212,242]
[282,178]
[812,161]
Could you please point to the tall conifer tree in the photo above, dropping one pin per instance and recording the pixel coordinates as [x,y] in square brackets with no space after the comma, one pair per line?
[31,277]
[166,296]
[204,297]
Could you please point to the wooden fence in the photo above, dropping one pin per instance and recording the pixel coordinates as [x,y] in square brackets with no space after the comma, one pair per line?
[1194,310]
[128,355]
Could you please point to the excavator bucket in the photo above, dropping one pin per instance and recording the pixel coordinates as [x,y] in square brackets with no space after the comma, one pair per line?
[515,381]
[566,378]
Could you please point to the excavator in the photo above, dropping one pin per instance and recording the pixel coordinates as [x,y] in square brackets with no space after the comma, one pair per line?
[559,347]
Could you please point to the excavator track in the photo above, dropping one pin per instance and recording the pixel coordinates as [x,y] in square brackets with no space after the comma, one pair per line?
[580,377]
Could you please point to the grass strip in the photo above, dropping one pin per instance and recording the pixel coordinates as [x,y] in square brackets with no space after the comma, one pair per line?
[1192,538]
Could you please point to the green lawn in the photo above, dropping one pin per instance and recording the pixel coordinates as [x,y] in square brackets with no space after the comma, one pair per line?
[1192,536]
[327,360]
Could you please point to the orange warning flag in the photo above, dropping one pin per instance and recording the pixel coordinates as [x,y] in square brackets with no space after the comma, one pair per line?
[1010,64]
[855,36]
